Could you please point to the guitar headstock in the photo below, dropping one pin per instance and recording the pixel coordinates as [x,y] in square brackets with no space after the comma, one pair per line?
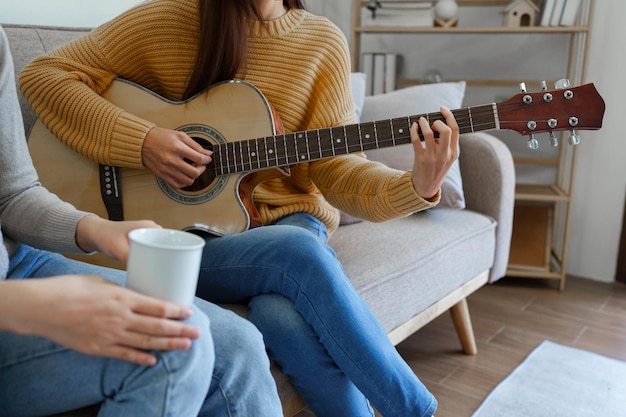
[566,108]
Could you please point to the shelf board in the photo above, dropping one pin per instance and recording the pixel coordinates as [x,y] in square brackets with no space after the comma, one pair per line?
[540,193]
[406,82]
[461,3]
[523,272]
[471,30]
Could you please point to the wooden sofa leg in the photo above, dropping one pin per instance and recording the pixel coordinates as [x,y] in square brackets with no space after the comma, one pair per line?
[463,323]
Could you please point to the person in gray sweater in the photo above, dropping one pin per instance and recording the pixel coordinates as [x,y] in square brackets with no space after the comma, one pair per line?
[71,335]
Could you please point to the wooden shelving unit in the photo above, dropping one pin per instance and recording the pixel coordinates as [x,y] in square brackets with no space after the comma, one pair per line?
[542,211]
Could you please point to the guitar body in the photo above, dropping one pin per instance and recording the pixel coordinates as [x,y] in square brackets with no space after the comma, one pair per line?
[222,205]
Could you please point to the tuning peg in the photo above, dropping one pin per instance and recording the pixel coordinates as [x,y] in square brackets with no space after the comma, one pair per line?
[573,138]
[562,84]
[532,142]
[554,142]
[527,97]
[544,86]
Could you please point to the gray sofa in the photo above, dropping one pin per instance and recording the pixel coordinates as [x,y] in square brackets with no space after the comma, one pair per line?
[409,270]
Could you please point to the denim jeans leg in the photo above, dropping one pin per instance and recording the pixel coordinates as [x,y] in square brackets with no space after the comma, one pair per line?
[240,381]
[242,384]
[296,348]
[289,260]
[39,377]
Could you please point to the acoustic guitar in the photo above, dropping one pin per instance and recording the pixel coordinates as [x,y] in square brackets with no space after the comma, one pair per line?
[236,121]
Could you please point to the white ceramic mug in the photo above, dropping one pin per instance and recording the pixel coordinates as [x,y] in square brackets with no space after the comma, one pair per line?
[164,263]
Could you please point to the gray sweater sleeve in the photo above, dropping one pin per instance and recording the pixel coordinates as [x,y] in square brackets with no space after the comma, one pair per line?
[28,212]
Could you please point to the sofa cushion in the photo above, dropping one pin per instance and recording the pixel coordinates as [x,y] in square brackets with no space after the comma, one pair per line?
[415,100]
[29,42]
[428,255]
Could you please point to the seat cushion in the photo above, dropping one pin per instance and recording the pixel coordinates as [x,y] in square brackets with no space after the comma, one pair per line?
[425,257]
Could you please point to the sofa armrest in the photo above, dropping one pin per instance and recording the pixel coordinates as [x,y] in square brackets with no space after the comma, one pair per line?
[488,176]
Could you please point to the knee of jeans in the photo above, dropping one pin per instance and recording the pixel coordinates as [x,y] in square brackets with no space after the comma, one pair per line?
[202,349]
[274,313]
[199,320]
[298,245]
[246,343]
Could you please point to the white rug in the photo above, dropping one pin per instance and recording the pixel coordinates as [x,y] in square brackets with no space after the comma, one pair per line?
[556,380]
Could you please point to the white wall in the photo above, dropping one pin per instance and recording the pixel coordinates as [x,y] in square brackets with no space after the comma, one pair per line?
[600,186]
[77,13]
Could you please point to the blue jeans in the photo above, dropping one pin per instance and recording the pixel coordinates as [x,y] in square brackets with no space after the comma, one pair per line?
[315,325]
[224,373]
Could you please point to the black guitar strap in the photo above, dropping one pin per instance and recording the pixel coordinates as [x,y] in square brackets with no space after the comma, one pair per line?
[111,191]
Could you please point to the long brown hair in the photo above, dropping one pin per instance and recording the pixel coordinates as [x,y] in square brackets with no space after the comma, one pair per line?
[223,40]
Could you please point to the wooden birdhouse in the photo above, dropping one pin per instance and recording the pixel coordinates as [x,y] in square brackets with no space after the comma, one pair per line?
[520,13]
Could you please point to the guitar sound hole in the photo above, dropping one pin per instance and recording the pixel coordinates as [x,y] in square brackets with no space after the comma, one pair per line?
[208,176]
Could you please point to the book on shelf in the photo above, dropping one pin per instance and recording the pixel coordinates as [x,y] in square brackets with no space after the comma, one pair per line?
[570,12]
[557,11]
[545,12]
[378,86]
[380,72]
[400,13]
[390,72]
[367,67]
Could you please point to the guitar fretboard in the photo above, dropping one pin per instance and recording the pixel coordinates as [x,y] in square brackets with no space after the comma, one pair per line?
[297,147]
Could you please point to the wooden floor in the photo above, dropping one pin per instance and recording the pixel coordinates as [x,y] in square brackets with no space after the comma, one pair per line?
[510,318]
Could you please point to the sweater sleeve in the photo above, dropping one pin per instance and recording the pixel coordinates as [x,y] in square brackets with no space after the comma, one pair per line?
[361,188]
[64,89]
[30,214]
[64,86]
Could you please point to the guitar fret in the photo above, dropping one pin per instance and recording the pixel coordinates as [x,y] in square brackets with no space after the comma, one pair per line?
[331,142]
[326,142]
[231,158]
[268,151]
[236,156]
[301,154]
[293,149]
[384,137]
[245,155]
[375,135]
[255,153]
[217,160]
[350,132]
[306,141]
[225,167]
[338,140]
[285,152]
[276,151]
[239,160]
[319,144]
[265,154]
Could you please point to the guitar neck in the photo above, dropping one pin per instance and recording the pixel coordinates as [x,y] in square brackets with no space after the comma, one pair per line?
[297,147]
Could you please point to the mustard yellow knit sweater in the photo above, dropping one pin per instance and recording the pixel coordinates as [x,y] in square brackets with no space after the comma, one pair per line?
[300,62]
